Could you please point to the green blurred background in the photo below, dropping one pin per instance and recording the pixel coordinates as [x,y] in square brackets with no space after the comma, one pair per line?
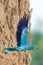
[37,39]
[37,31]
[37,55]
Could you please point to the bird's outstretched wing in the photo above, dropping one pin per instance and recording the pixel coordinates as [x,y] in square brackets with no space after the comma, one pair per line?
[22,32]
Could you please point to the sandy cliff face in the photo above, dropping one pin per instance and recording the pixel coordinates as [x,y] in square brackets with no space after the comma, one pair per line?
[11,11]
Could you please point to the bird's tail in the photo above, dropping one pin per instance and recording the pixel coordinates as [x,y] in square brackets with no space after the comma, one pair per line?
[9,49]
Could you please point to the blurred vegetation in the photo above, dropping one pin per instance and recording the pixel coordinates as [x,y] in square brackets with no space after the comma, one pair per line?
[37,55]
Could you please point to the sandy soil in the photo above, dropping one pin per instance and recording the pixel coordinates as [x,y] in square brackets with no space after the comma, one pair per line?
[11,11]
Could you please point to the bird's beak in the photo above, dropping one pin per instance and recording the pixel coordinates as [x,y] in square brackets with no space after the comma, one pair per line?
[36,47]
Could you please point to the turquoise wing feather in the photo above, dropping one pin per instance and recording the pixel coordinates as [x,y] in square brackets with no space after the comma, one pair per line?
[24,37]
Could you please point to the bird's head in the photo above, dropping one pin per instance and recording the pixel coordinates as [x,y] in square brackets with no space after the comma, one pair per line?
[32,47]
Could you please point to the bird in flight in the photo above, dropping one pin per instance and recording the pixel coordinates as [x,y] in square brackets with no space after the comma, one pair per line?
[22,37]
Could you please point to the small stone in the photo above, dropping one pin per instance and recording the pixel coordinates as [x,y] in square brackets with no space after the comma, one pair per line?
[0,29]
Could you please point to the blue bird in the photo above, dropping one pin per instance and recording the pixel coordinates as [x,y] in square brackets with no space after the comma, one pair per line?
[22,37]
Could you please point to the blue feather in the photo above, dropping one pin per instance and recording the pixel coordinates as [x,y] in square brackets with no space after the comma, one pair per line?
[24,37]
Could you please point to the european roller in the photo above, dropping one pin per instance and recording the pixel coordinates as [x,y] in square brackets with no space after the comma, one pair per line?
[22,37]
